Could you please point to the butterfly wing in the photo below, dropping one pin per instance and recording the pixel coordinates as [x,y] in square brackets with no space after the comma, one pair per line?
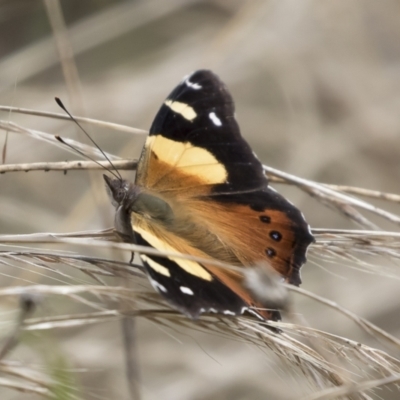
[197,161]
[195,288]
[195,142]
[259,226]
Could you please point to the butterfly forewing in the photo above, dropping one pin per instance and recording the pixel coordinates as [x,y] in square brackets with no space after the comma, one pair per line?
[195,134]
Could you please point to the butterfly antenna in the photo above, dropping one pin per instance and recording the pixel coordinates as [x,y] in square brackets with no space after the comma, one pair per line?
[117,175]
[61,140]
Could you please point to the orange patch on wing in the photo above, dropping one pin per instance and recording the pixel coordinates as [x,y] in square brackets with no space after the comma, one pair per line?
[252,240]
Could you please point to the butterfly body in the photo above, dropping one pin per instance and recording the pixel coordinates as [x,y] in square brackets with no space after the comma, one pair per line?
[201,191]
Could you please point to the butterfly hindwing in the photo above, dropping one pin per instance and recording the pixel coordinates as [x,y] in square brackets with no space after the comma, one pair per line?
[194,288]
[259,226]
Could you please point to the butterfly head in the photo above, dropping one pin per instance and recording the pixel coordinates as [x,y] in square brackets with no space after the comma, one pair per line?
[122,194]
[119,190]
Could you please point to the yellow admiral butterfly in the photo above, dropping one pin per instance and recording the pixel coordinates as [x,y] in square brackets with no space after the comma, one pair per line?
[200,190]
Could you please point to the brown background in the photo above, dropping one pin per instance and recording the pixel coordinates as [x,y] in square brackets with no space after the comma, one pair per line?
[317,91]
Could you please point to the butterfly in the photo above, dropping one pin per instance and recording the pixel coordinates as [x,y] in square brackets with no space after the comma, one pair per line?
[200,190]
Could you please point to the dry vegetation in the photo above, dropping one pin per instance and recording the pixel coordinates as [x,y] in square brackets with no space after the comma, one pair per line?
[317,91]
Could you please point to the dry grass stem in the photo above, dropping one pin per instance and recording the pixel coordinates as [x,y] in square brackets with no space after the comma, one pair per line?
[67,166]
[337,199]
[90,151]
[149,305]
[367,326]
[348,389]
[63,116]
[24,388]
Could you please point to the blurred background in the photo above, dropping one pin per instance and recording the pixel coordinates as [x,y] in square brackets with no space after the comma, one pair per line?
[317,92]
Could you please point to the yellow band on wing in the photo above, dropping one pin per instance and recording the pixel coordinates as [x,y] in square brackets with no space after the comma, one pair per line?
[187,159]
[156,266]
[191,267]
[183,109]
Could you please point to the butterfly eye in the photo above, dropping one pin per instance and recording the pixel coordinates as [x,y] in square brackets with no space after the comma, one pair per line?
[275,235]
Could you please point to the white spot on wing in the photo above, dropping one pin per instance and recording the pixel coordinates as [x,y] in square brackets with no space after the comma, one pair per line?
[215,311]
[192,85]
[186,290]
[183,109]
[156,285]
[216,121]
[155,266]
